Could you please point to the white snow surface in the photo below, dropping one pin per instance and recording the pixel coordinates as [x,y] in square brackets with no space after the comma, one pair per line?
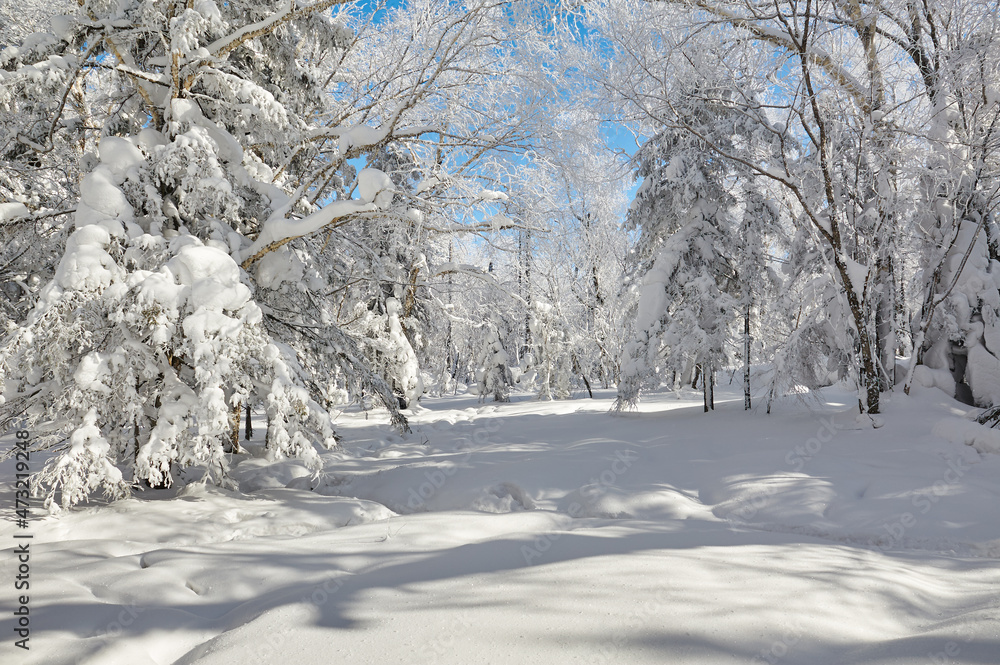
[858,274]
[371,183]
[279,267]
[549,532]
[12,210]
[361,136]
[120,156]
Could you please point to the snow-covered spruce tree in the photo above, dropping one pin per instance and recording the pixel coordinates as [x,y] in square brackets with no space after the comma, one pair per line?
[494,376]
[143,345]
[685,211]
[554,359]
[141,350]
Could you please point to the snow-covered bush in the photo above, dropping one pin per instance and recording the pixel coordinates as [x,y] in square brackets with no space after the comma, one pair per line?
[493,377]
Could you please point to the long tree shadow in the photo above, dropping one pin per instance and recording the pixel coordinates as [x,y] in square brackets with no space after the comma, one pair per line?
[337,600]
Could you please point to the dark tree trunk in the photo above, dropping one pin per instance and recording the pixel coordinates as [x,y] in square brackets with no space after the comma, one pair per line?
[746,359]
[710,380]
[708,388]
[248,430]
[234,429]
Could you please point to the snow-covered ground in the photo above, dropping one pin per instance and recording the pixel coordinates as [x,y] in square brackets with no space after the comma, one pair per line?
[550,532]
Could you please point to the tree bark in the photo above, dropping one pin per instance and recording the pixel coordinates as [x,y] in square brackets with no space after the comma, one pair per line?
[234,430]
[248,431]
[746,359]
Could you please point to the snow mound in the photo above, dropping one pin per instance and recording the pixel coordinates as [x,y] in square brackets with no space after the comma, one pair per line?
[13,210]
[934,378]
[959,430]
[660,503]
[120,156]
[279,267]
[392,453]
[212,276]
[258,474]
[374,186]
[789,498]
[503,498]
[87,266]
[211,514]
[592,501]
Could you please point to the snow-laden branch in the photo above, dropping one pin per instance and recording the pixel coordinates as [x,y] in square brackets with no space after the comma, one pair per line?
[17,213]
[452,268]
[359,133]
[278,232]
[783,38]
[70,82]
[222,46]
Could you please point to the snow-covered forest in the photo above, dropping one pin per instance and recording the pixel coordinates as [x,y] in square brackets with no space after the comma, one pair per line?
[494,331]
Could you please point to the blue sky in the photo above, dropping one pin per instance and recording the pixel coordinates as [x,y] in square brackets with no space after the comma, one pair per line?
[616,136]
